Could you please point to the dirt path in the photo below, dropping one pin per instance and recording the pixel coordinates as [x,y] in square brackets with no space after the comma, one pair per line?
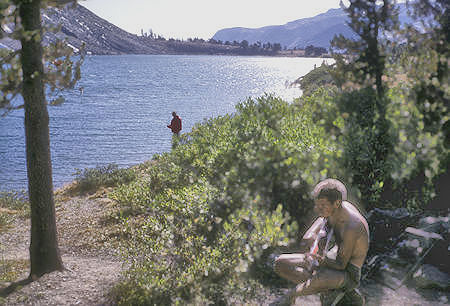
[91,261]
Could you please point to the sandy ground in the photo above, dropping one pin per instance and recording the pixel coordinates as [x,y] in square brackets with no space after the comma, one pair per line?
[90,272]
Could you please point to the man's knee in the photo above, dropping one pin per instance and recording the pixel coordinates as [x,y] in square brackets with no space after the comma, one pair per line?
[286,262]
[322,280]
[279,264]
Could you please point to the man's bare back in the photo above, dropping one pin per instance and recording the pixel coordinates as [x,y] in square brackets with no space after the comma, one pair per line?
[355,225]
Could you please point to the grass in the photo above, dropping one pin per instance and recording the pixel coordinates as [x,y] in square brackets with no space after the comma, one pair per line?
[11,269]
[12,204]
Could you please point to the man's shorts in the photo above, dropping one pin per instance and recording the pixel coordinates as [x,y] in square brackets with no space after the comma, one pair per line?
[352,277]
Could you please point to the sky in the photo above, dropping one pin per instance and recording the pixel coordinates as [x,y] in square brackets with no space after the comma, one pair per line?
[182,19]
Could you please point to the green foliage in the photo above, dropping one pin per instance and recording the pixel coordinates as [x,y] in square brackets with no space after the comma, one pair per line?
[179,252]
[363,60]
[264,151]
[62,69]
[417,157]
[367,144]
[90,179]
[203,218]
[424,62]
[315,79]
[420,105]
[361,66]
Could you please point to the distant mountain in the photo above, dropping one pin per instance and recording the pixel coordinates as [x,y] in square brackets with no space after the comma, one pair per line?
[79,25]
[316,31]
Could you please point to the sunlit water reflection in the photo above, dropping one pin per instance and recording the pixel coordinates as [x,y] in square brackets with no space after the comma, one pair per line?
[121,116]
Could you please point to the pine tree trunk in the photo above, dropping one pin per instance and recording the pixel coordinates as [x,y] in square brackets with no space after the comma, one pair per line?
[44,252]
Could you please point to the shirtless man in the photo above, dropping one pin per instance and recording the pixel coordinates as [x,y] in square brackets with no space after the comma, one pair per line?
[314,273]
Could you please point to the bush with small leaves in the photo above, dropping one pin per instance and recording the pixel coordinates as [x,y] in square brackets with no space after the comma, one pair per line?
[90,179]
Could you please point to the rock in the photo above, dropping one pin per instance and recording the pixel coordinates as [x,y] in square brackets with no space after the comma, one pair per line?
[428,276]
[435,224]
[440,253]
[386,226]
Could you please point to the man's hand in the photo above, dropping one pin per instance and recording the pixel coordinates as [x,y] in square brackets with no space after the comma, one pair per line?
[320,260]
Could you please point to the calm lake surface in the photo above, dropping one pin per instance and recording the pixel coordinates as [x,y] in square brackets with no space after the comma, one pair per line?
[127,102]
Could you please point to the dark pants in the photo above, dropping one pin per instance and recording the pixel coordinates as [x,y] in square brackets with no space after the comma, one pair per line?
[348,294]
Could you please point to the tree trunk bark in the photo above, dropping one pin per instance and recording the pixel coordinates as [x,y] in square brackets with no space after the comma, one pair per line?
[44,252]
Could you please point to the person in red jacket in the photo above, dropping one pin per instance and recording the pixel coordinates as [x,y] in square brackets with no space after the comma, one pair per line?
[175,124]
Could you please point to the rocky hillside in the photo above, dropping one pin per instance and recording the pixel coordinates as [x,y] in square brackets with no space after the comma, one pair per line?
[79,25]
[316,31]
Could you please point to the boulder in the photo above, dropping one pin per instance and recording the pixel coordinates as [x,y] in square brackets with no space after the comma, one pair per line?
[386,227]
[440,253]
[435,224]
[428,276]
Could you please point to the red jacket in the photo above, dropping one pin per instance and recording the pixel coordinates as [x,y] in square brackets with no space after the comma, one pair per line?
[175,124]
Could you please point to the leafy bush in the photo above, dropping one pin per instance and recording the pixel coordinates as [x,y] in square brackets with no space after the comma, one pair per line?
[404,177]
[267,149]
[90,179]
[317,78]
[180,252]
[203,218]
[368,143]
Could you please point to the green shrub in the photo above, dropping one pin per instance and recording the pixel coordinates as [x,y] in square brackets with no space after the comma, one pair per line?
[267,148]
[368,144]
[202,219]
[391,163]
[179,252]
[90,179]
[317,78]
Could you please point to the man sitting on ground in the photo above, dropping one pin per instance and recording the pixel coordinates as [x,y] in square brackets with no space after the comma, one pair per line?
[314,273]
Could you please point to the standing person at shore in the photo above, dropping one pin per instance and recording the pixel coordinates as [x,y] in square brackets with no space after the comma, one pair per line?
[175,124]
[315,273]
[175,127]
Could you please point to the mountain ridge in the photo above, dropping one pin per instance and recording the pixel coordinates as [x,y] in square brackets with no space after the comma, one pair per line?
[318,30]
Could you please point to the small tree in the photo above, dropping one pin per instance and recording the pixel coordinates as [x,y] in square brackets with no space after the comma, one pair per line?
[424,63]
[244,44]
[276,47]
[426,60]
[23,73]
[363,62]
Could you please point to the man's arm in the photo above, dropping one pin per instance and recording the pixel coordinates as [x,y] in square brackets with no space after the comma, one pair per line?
[309,237]
[345,251]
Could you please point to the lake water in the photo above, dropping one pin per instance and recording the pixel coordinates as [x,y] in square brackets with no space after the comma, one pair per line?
[127,102]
